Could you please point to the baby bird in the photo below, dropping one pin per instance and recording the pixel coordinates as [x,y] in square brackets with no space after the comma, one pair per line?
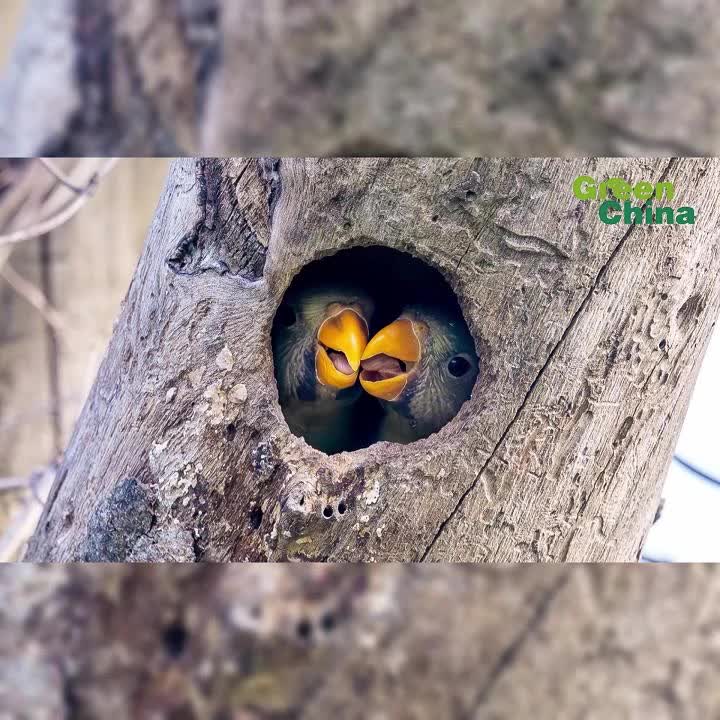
[422,368]
[319,336]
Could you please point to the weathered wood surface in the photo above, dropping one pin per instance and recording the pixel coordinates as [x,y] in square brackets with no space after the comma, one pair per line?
[94,256]
[589,336]
[445,77]
[359,642]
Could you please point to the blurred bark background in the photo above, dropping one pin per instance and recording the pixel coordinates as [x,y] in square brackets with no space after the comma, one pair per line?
[320,77]
[49,356]
[359,642]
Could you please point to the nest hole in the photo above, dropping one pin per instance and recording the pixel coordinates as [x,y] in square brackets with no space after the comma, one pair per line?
[344,381]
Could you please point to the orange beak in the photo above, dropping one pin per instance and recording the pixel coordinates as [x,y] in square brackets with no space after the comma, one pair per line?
[388,358]
[341,342]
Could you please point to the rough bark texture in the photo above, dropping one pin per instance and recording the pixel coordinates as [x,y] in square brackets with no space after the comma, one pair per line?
[360,642]
[589,335]
[320,77]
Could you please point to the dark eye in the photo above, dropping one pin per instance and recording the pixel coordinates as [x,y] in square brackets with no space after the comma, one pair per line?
[286,316]
[458,366]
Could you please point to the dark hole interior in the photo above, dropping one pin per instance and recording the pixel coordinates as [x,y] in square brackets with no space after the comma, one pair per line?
[393,280]
[304,629]
[327,622]
[175,639]
[255,517]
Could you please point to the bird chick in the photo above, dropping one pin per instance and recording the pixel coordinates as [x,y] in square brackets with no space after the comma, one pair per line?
[319,335]
[422,368]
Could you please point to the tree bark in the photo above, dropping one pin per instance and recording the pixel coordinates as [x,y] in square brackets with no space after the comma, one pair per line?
[589,336]
[448,77]
[407,642]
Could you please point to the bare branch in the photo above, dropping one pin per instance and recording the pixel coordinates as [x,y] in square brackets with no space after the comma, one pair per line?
[64,214]
[13,483]
[65,180]
[34,296]
[13,538]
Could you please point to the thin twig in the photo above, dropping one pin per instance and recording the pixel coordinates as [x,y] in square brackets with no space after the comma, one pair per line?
[63,179]
[5,253]
[13,483]
[52,338]
[35,297]
[64,214]
[14,537]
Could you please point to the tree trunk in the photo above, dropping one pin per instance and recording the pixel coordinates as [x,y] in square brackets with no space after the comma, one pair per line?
[449,77]
[358,642]
[589,336]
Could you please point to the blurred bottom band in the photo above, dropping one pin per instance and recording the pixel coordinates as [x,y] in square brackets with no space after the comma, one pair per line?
[244,642]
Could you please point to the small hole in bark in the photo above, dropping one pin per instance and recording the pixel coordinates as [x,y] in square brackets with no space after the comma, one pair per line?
[345,383]
[556,60]
[435,218]
[470,195]
[328,511]
[342,507]
[68,517]
[304,629]
[255,516]
[662,344]
[175,639]
[230,432]
[328,622]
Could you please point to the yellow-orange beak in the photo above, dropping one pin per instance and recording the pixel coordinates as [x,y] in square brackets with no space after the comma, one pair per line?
[386,358]
[341,339]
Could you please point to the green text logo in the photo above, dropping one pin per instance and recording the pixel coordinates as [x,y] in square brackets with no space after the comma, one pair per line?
[614,190]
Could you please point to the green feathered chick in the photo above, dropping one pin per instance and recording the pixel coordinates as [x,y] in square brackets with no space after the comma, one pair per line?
[319,336]
[422,368]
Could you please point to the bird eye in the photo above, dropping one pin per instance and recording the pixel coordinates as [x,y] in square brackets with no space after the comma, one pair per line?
[458,366]
[286,316]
